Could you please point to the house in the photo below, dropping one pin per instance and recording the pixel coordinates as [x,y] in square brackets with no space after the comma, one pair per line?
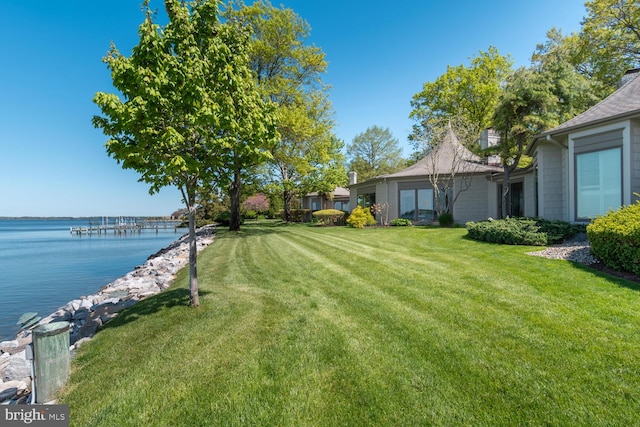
[315,201]
[580,169]
[591,163]
[449,177]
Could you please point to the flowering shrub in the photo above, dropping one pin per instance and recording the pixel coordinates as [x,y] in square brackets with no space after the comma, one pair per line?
[258,203]
[360,218]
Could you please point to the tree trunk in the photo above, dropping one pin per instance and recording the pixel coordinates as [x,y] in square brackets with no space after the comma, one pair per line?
[194,300]
[286,196]
[506,192]
[234,221]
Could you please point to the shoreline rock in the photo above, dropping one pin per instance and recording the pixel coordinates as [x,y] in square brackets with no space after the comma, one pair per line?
[87,314]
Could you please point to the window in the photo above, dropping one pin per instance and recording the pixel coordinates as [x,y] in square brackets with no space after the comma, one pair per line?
[366,200]
[416,204]
[341,206]
[598,182]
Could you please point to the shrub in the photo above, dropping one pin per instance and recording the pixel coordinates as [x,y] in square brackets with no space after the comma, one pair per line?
[250,214]
[299,215]
[400,222]
[557,231]
[615,238]
[330,216]
[519,231]
[224,218]
[445,219]
[360,218]
[258,203]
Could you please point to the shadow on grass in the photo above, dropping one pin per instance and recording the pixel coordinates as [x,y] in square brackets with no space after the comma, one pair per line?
[620,278]
[165,300]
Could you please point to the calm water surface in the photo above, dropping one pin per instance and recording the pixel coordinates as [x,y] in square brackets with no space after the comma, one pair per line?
[43,266]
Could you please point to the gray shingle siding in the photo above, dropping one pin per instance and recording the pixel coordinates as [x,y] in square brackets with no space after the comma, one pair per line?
[635,158]
[552,173]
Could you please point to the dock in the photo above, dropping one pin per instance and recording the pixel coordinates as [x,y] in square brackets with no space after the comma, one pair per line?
[124,226]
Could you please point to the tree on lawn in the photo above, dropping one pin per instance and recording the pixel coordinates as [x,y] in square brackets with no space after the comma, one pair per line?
[188,100]
[288,73]
[375,152]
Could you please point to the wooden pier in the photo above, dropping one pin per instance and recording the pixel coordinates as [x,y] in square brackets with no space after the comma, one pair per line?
[125,226]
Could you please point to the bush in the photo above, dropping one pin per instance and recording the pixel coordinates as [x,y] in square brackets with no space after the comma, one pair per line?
[615,238]
[445,219]
[250,214]
[558,231]
[400,222]
[330,217]
[224,218]
[298,215]
[522,231]
[360,218]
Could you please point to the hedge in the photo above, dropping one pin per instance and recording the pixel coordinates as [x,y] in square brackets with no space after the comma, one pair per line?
[615,238]
[330,216]
[522,231]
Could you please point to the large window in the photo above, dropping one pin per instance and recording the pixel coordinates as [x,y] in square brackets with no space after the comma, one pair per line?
[598,182]
[416,204]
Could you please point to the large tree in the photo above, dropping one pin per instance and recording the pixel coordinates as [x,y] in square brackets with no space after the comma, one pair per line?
[289,73]
[525,109]
[375,152]
[186,99]
[610,39]
[569,54]
[607,45]
[467,93]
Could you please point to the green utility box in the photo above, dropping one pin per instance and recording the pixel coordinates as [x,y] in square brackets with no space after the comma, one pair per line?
[51,359]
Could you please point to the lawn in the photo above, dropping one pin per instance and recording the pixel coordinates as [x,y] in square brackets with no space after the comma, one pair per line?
[320,326]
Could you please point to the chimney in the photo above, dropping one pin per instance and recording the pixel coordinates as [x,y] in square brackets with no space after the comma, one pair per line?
[353,177]
[628,76]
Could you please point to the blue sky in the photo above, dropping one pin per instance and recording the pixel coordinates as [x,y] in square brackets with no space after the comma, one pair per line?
[53,162]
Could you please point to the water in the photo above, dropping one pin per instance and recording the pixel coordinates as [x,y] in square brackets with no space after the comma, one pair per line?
[43,266]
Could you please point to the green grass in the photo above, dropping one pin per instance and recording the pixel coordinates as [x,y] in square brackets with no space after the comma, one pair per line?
[317,326]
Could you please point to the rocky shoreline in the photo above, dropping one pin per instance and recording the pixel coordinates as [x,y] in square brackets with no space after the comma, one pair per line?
[88,313]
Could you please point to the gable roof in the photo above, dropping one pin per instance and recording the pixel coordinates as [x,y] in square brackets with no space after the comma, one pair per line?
[338,192]
[449,154]
[622,103]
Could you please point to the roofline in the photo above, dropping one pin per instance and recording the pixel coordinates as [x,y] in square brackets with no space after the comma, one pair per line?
[571,129]
[371,181]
